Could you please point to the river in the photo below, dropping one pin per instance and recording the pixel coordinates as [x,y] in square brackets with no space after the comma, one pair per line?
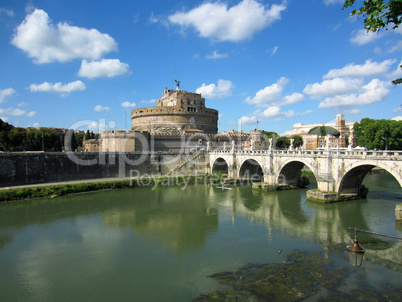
[163,244]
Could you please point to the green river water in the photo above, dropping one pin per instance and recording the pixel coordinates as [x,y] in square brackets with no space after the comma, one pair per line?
[164,244]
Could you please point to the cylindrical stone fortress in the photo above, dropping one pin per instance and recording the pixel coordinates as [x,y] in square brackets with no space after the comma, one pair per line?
[176,111]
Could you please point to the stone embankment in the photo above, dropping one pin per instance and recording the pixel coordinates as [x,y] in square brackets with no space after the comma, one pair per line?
[25,168]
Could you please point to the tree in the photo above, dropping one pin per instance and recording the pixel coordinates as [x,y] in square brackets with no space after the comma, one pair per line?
[378,14]
[5,128]
[17,138]
[298,141]
[379,134]
[283,142]
[87,135]
[79,137]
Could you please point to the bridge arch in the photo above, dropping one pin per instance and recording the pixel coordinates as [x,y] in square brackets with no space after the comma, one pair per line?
[351,181]
[251,169]
[221,165]
[289,172]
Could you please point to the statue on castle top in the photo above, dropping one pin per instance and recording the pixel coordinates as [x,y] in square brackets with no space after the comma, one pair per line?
[270,143]
[177,84]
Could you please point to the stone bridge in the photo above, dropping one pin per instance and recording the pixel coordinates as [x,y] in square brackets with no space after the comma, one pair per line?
[338,172]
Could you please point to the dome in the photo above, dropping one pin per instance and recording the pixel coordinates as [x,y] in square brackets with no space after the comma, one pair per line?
[323,131]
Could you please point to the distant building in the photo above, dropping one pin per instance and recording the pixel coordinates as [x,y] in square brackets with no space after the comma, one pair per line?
[90,145]
[333,135]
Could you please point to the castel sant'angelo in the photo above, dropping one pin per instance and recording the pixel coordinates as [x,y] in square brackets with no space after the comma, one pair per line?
[179,120]
[176,112]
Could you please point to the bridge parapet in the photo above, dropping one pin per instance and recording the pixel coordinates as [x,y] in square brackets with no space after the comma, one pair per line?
[337,171]
[395,155]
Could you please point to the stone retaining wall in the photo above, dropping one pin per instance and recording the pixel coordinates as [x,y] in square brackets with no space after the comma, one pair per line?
[40,167]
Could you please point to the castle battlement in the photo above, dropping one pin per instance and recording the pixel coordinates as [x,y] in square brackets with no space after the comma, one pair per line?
[177,110]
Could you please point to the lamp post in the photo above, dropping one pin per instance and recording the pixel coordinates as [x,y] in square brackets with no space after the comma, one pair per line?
[355,251]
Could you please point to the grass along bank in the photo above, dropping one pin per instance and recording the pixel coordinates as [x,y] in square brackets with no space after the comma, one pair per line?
[55,190]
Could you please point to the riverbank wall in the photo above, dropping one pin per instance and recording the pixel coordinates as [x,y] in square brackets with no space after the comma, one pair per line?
[24,168]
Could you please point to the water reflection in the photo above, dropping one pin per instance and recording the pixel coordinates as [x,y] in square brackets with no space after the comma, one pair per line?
[182,219]
[135,239]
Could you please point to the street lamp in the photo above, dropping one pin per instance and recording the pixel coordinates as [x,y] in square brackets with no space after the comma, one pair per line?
[355,251]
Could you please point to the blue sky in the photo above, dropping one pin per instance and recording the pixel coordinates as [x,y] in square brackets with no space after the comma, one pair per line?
[263,64]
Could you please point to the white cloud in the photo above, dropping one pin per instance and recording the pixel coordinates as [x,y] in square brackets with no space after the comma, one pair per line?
[217,55]
[153,18]
[237,23]
[352,112]
[105,68]
[22,104]
[96,126]
[362,37]
[99,108]
[399,109]
[271,111]
[269,95]
[368,69]
[397,47]
[64,90]
[4,93]
[328,2]
[8,12]
[333,87]
[397,73]
[46,42]
[292,99]
[276,113]
[212,91]
[128,105]
[274,50]
[16,112]
[153,101]
[247,120]
[375,91]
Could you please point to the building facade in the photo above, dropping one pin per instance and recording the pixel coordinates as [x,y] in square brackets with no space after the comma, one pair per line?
[177,111]
[343,139]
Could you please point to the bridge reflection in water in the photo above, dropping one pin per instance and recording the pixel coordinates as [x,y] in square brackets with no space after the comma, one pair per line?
[154,245]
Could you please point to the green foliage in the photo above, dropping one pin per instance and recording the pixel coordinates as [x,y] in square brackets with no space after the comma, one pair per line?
[298,141]
[5,128]
[218,177]
[379,134]
[87,135]
[397,81]
[270,134]
[79,137]
[31,139]
[378,14]
[283,142]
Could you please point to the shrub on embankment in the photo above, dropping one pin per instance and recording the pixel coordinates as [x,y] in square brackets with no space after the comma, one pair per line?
[60,190]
